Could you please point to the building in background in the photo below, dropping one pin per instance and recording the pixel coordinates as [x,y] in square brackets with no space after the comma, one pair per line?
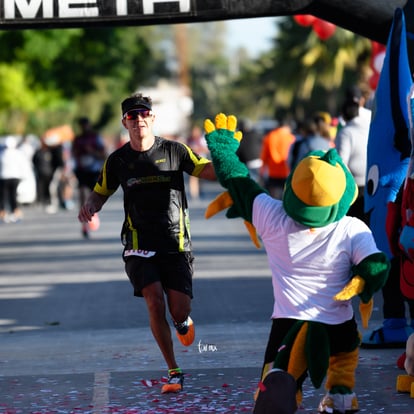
[173,107]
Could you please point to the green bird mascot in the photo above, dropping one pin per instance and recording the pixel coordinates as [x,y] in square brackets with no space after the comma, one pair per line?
[319,258]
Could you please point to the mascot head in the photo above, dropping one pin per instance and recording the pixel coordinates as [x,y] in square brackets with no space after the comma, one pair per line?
[319,190]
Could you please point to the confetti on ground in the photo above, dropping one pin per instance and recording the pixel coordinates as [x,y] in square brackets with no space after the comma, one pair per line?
[224,391]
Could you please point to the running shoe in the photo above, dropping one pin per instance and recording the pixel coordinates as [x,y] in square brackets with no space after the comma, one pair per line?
[185,331]
[175,381]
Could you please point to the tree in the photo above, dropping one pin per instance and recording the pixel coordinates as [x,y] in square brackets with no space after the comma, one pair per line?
[209,68]
[302,72]
[63,73]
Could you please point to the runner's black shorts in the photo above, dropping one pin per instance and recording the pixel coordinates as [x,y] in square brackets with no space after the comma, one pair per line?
[173,270]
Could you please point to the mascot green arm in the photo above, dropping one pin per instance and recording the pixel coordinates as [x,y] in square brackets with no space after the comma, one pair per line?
[374,270]
[223,142]
[369,276]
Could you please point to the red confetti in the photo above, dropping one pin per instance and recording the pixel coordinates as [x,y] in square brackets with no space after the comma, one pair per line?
[261,386]
[147,383]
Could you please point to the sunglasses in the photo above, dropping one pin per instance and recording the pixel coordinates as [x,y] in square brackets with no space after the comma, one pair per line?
[134,114]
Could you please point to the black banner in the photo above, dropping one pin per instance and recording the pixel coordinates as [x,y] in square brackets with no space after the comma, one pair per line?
[78,13]
[370,18]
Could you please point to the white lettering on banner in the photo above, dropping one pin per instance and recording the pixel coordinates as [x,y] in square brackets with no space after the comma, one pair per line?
[148,5]
[29,9]
[71,8]
[121,7]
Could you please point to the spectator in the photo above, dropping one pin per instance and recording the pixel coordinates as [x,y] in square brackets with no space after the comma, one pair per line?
[197,143]
[26,190]
[89,153]
[42,162]
[250,148]
[324,125]
[274,156]
[315,137]
[351,143]
[13,167]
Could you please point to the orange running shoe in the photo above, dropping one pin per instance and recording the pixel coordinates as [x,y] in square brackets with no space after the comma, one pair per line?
[185,331]
[175,381]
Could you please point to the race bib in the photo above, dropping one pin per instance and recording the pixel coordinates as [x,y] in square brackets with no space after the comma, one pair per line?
[139,252]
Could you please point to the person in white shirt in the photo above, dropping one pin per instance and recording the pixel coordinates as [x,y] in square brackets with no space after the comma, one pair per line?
[351,142]
[13,167]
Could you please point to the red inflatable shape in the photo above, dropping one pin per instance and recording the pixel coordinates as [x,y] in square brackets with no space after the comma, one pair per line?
[304,19]
[323,29]
[377,60]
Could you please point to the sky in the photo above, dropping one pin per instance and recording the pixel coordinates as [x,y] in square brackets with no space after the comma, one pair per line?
[254,34]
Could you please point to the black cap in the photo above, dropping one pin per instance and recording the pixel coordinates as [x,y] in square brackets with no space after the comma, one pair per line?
[353,94]
[135,102]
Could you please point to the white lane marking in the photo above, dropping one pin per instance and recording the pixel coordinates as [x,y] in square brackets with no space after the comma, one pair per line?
[101,392]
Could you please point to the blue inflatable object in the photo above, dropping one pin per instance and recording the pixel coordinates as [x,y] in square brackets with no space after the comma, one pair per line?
[389,145]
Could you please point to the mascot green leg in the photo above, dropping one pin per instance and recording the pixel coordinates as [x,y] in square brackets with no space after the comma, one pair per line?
[340,383]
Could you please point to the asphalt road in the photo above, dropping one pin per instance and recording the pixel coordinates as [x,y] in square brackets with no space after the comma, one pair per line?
[73,339]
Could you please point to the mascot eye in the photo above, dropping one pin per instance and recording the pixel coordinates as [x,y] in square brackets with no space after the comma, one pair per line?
[372,180]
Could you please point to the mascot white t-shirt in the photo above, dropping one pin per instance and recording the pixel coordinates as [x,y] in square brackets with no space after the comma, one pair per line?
[309,263]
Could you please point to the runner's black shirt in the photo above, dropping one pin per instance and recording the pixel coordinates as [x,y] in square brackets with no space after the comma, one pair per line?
[155,203]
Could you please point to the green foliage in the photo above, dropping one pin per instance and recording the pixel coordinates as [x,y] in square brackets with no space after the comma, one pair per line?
[209,68]
[15,90]
[48,75]
[18,99]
